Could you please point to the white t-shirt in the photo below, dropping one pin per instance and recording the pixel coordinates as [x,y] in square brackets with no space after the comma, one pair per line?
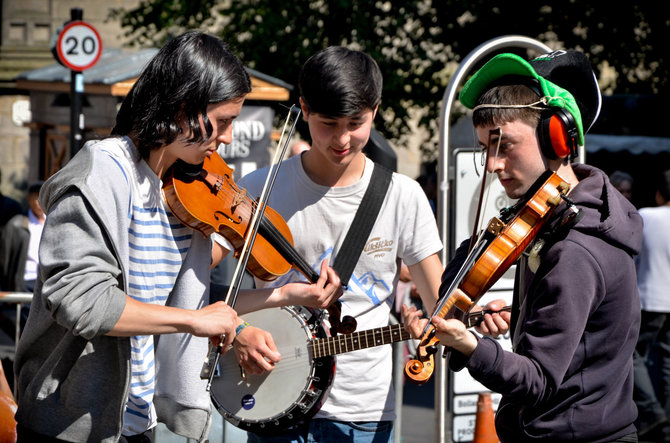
[35,227]
[653,262]
[319,218]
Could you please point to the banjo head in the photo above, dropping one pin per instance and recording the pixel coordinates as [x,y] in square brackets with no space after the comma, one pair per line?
[289,393]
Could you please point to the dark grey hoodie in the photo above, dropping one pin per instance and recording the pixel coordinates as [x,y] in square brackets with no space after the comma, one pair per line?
[570,377]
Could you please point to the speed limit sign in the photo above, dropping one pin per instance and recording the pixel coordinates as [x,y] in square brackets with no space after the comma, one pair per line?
[79,46]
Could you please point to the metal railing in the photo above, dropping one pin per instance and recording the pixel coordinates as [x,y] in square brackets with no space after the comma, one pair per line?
[18,299]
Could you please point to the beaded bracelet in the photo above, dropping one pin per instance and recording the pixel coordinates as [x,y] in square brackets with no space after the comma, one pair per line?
[240,327]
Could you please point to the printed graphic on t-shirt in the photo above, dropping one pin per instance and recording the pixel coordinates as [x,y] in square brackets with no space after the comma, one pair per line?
[378,247]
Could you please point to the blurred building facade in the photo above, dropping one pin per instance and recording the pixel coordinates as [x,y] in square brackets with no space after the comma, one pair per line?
[35,91]
[27,28]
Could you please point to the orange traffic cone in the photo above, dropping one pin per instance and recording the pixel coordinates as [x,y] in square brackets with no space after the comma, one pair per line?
[485,428]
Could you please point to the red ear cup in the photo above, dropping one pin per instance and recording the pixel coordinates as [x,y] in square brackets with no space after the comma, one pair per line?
[557,133]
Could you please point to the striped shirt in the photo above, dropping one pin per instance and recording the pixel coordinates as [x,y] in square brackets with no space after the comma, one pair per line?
[158,243]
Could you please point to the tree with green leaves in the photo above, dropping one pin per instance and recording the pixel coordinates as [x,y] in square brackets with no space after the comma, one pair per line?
[418,43]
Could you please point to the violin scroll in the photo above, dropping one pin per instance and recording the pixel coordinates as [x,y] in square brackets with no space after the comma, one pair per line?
[420,369]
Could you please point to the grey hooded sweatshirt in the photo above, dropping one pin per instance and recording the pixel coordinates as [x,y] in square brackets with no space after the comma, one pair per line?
[73,380]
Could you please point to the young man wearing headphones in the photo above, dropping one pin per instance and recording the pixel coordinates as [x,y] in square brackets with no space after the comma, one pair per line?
[576,310]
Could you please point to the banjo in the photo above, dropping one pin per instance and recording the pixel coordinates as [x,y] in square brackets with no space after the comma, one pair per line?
[295,389]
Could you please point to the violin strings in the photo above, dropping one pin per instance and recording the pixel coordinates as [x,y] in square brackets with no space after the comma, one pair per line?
[282,145]
[225,193]
[250,236]
[281,244]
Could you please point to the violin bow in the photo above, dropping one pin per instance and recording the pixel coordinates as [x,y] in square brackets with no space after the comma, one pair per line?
[483,201]
[233,290]
[287,132]
[473,254]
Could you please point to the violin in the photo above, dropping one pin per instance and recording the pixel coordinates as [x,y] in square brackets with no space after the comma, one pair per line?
[206,198]
[500,247]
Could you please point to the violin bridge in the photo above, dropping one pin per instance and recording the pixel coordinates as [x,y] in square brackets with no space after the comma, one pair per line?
[238,198]
[495,226]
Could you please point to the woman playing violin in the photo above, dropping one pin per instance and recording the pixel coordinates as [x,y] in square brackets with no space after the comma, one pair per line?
[576,310]
[118,330]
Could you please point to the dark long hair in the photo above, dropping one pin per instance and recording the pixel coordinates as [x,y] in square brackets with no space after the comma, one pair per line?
[188,73]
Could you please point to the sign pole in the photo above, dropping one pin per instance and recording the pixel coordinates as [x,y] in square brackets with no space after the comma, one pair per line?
[78,47]
[76,91]
[76,116]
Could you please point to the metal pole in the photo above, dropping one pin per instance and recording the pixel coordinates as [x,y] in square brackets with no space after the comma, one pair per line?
[76,91]
[17,298]
[76,117]
[443,391]
[398,379]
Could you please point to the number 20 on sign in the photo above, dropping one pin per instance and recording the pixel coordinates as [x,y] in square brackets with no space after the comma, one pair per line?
[79,46]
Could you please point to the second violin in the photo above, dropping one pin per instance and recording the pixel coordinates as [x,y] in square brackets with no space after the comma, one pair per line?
[490,259]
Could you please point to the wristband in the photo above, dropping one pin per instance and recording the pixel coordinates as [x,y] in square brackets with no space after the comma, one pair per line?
[240,327]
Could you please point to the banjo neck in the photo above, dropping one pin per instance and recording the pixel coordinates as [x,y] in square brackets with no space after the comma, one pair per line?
[323,347]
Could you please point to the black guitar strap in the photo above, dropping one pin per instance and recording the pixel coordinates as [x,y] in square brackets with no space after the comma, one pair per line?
[360,228]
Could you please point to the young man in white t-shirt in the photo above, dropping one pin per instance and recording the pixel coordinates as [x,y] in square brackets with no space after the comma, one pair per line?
[318,194]
[36,218]
[653,280]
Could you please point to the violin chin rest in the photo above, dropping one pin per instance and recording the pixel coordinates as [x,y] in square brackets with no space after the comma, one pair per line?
[183,169]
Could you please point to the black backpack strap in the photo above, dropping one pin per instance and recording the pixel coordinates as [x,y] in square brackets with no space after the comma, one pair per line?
[360,228]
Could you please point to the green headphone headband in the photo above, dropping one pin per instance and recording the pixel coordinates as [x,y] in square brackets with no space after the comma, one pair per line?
[511,64]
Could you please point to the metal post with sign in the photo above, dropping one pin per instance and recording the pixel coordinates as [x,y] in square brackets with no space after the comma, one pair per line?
[78,47]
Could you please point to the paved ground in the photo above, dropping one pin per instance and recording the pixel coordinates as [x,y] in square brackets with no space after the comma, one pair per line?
[418,413]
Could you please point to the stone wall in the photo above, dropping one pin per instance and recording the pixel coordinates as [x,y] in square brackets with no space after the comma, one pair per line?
[14,146]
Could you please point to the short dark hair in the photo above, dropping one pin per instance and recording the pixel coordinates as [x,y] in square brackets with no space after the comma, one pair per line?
[190,72]
[507,93]
[35,187]
[338,82]
[664,185]
[618,177]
